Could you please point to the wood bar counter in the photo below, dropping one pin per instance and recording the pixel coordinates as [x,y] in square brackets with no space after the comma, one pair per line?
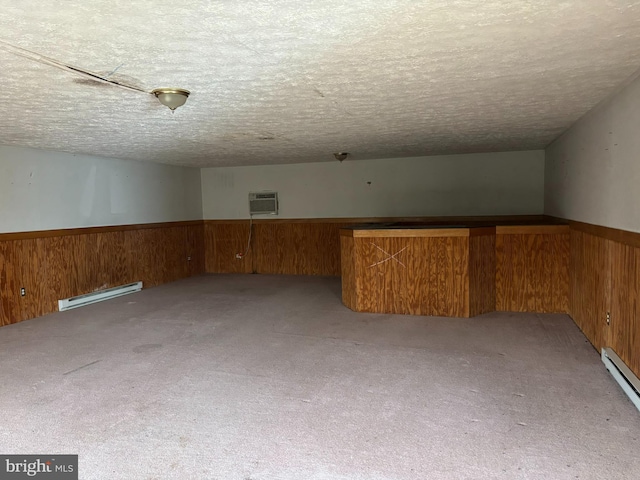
[419,270]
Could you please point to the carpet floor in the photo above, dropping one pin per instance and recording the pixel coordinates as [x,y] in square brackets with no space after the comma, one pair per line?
[256,377]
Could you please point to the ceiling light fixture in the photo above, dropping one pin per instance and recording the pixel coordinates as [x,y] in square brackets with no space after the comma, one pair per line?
[340,156]
[171,97]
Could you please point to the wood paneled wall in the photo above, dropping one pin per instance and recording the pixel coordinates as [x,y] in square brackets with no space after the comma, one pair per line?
[605,278]
[59,264]
[426,276]
[532,269]
[277,247]
[590,285]
[222,242]
[623,332]
[306,246]
[482,271]
[297,248]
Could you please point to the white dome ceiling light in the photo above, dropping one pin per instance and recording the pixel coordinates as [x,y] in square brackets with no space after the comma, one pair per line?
[171,97]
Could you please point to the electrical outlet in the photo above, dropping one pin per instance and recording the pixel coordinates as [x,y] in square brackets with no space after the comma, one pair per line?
[608,318]
[188,259]
[23,292]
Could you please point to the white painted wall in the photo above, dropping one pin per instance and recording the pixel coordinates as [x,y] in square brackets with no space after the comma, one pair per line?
[42,190]
[475,184]
[593,170]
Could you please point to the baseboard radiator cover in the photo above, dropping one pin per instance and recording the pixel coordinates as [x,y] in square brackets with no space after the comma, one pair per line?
[622,374]
[98,296]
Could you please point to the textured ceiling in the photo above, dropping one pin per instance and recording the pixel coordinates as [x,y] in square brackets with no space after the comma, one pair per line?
[289,81]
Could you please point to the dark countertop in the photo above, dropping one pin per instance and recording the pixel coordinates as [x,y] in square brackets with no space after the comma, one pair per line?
[403,226]
[427,225]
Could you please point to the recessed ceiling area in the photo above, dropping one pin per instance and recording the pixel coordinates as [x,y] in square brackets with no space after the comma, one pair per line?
[290,82]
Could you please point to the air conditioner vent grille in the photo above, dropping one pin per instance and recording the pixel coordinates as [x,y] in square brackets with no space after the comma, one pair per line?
[263,203]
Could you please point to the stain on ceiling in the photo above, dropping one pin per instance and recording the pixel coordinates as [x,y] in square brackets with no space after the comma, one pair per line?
[286,81]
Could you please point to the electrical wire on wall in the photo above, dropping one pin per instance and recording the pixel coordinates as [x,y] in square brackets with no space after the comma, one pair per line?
[241,255]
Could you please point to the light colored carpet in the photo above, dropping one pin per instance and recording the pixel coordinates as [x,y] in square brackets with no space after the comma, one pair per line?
[271,377]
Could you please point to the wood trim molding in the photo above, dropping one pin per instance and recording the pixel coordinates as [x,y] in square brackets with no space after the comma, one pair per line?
[482,231]
[486,220]
[532,229]
[418,232]
[408,233]
[88,230]
[621,236]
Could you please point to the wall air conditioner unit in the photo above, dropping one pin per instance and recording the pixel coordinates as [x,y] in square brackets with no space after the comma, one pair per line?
[263,203]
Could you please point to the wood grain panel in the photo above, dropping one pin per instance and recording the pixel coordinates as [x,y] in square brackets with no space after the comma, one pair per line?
[147,256]
[117,266]
[144,256]
[560,276]
[312,246]
[175,254]
[380,282]
[620,334]
[372,281]
[9,284]
[62,266]
[297,248]
[415,275]
[449,260]
[511,274]
[222,242]
[69,265]
[504,274]
[531,251]
[634,327]
[532,272]
[274,248]
[482,274]
[196,249]
[23,261]
[13,304]
[605,277]
[348,273]
[590,273]
[327,245]
[416,295]
[4,315]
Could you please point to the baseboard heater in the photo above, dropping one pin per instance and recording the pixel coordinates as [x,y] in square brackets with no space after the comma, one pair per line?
[622,374]
[99,296]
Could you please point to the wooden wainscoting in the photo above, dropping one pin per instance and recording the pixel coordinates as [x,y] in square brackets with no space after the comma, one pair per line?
[307,246]
[223,240]
[294,247]
[605,278]
[57,264]
[482,271]
[532,268]
[590,284]
[416,272]
[350,280]
[297,248]
[531,255]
